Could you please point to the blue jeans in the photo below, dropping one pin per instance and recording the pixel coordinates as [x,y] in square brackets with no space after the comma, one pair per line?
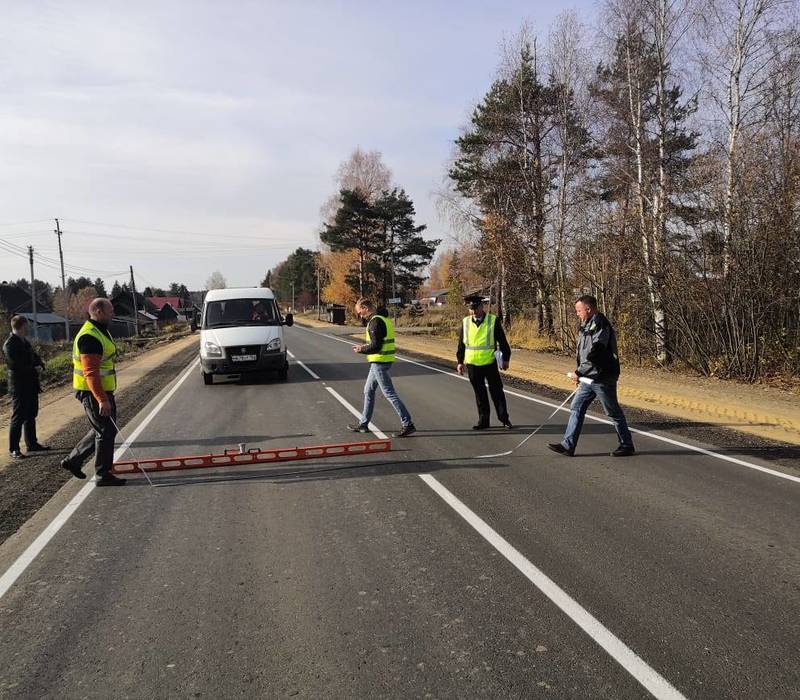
[607,393]
[379,377]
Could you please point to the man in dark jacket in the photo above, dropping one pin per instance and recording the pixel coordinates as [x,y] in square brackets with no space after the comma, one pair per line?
[24,366]
[597,360]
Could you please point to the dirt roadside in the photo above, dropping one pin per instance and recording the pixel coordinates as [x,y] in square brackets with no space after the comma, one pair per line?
[766,413]
[25,486]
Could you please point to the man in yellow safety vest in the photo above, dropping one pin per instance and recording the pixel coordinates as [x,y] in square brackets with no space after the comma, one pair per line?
[94,379]
[481,336]
[379,350]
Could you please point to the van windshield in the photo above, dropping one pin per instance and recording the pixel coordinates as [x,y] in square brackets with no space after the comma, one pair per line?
[241,312]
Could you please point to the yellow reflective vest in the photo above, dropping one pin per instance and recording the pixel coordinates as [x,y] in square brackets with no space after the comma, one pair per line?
[108,375]
[386,353]
[479,341]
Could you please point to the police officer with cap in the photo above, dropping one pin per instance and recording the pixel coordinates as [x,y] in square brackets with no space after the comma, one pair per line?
[481,335]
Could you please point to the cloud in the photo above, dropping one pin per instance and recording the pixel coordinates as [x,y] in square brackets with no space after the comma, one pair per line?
[211,116]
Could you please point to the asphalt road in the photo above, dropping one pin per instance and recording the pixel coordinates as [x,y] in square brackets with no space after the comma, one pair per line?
[366,581]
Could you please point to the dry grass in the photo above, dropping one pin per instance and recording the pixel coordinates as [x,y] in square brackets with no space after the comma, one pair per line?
[522,334]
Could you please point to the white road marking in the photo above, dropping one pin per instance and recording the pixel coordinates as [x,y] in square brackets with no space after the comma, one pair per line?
[654,682]
[598,419]
[647,676]
[311,372]
[26,558]
[376,431]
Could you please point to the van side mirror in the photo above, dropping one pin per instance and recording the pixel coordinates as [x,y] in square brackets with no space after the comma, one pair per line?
[288,320]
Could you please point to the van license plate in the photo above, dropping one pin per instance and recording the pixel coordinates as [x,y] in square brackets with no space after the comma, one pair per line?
[243,358]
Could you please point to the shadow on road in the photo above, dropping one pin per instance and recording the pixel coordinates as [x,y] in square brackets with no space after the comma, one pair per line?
[318,472]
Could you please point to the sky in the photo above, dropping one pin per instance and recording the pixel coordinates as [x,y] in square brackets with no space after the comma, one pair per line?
[184,136]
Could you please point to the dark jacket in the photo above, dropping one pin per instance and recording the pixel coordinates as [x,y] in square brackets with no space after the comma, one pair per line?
[499,337]
[376,329]
[22,362]
[596,354]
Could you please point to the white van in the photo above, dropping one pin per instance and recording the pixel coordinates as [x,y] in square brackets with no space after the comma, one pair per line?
[242,331]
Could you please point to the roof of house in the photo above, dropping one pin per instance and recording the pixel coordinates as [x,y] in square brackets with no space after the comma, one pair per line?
[45,318]
[167,309]
[159,302]
[144,316]
[123,299]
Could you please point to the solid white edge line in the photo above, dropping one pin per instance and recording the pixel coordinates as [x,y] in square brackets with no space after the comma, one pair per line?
[654,682]
[598,419]
[647,676]
[34,548]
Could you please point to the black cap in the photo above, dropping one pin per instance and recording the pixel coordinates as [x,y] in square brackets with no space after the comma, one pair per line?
[473,300]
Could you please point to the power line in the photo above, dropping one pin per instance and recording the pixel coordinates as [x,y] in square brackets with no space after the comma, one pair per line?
[25,234]
[25,223]
[167,230]
[52,263]
[208,247]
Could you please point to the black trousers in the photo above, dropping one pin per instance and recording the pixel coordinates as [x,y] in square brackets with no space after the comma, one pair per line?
[24,409]
[479,376]
[100,438]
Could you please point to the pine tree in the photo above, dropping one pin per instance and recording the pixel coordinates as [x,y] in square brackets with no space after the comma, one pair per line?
[405,251]
[355,227]
[100,287]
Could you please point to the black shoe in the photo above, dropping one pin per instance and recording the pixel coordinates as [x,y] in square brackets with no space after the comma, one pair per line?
[507,424]
[406,431]
[624,451]
[110,480]
[558,447]
[359,428]
[480,426]
[75,471]
[16,454]
[38,448]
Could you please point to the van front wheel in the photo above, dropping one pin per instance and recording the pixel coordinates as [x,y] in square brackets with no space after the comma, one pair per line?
[208,378]
[283,374]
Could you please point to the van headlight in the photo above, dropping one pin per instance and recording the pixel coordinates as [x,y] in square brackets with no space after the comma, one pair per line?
[212,349]
[273,345]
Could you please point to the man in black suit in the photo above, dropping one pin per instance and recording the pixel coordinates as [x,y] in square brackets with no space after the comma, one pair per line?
[24,366]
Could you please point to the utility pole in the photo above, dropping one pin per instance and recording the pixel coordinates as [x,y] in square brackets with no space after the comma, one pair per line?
[319,310]
[133,296]
[63,283]
[33,294]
